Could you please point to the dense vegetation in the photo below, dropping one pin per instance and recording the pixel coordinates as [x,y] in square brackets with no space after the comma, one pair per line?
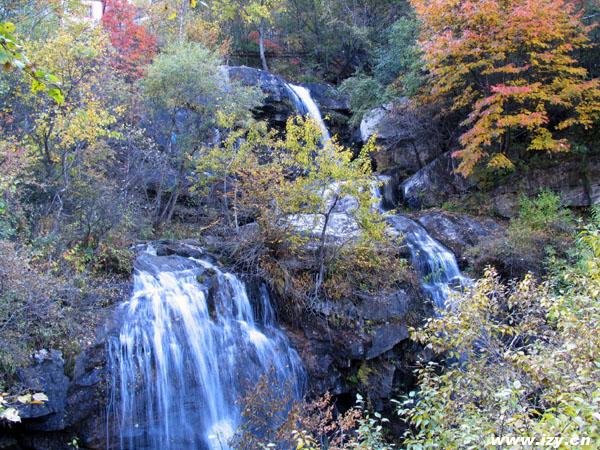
[129,130]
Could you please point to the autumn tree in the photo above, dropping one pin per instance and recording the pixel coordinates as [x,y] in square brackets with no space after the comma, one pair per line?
[135,46]
[64,141]
[259,14]
[510,65]
[186,91]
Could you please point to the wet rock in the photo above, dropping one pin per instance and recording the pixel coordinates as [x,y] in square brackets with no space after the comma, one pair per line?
[46,374]
[328,98]
[340,336]
[88,396]
[434,184]
[277,105]
[458,232]
[188,248]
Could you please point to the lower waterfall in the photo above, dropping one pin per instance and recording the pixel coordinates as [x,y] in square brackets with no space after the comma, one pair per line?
[191,343]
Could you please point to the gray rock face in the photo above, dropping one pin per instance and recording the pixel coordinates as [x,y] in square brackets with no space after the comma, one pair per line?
[408,140]
[278,105]
[434,184]
[458,232]
[328,98]
[575,181]
[46,374]
[342,336]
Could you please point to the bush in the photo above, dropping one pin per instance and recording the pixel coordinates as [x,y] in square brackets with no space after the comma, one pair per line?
[45,309]
[543,229]
[518,359]
[365,93]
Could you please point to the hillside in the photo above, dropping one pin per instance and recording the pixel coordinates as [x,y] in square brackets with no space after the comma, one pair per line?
[310,224]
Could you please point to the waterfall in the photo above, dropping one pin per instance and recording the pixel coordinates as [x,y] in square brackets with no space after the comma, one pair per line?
[435,263]
[305,104]
[189,346]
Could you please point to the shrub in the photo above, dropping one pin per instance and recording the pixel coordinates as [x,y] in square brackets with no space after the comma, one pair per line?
[518,360]
[365,93]
[543,229]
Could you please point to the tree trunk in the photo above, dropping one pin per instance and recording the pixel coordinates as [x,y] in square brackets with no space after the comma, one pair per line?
[321,252]
[261,47]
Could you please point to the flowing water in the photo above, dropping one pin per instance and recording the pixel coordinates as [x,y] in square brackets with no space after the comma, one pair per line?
[305,105]
[435,263]
[189,346]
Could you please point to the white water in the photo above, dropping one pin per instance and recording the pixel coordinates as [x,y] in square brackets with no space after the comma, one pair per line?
[187,351]
[435,263]
[306,105]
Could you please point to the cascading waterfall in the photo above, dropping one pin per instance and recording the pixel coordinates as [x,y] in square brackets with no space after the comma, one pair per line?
[305,104]
[189,347]
[435,263]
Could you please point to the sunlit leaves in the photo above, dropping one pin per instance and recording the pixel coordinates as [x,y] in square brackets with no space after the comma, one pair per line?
[12,57]
[511,63]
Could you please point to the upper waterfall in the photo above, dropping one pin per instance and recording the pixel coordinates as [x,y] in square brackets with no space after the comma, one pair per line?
[306,105]
[190,346]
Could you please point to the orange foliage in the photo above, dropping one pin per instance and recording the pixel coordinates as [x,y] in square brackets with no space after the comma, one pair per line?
[135,46]
[511,63]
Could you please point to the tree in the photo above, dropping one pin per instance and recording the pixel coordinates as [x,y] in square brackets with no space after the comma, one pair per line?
[510,64]
[12,57]
[135,46]
[187,91]
[256,13]
[64,141]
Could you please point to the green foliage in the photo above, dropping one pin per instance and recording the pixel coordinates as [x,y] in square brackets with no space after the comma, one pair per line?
[542,212]
[543,229]
[365,93]
[520,360]
[398,64]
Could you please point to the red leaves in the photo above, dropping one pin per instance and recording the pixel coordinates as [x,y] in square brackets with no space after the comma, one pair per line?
[512,64]
[269,44]
[135,46]
[502,89]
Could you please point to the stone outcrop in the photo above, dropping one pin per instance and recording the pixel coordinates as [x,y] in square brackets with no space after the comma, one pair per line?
[407,138]
[577,182]
[458,232]
[434,184]
[350,346]
[278,104]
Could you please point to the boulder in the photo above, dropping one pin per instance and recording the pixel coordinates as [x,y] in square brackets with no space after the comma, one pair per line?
[434,184]
[407,138]
[46,374]
[458,232]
